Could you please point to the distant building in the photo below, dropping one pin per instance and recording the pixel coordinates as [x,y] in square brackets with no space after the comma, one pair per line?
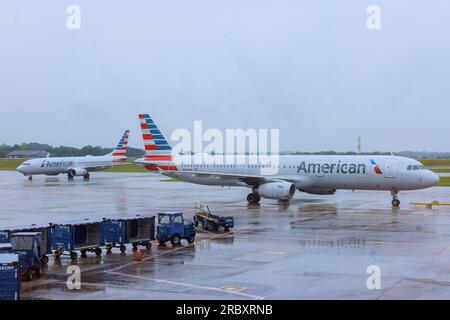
[27,154]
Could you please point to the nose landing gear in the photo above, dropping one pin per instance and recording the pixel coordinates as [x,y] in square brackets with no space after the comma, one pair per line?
[395,200]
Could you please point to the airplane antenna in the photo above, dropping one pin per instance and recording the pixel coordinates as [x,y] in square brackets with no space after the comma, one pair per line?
[359,144]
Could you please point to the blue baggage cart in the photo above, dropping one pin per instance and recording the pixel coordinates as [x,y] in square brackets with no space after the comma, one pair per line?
[9,276]
[84,236]
[4,236]
[135,230]
[46,242]
[6,248]
[28,246]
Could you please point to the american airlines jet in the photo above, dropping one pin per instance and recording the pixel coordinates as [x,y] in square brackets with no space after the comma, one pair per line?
[76,166]
[313,174]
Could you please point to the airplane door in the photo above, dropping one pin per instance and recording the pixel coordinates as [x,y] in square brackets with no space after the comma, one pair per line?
[389,171]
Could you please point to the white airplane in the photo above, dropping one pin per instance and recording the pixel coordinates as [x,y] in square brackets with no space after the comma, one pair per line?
[76,166]
[313,174]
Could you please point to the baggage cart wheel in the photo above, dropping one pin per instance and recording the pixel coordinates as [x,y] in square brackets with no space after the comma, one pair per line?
[175,240]
[57,254]
[191,239]
[38,272]
[135,245]
[162,243]
[83,253]
[98,252]
[29,275]
[221,229]
[123,248]
[148,245]
[73,255]
[44,260]
[108,251]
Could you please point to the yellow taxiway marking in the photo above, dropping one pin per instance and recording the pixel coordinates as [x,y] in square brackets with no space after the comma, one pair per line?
[431,204]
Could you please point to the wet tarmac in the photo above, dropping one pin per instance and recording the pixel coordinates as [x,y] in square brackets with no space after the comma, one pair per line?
[316,247]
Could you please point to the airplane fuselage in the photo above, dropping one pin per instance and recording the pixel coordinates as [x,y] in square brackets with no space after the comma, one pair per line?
[316,172]
[57,165]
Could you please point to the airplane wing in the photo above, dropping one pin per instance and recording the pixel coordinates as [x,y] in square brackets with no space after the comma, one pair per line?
[227,179]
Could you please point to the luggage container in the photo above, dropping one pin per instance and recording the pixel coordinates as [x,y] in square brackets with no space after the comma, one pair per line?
[4,236]
[28,246]
[9,276]
[84,236]
[6,248]
[135,230]
[140,231]
[46,241]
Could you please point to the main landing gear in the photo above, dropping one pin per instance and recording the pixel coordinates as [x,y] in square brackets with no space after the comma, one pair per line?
[253,198]
[86,177]
[30,178]
[70,176]
[395,200]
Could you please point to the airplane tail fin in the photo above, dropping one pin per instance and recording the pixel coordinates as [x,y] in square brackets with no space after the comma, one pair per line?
[158,152]
[120,151]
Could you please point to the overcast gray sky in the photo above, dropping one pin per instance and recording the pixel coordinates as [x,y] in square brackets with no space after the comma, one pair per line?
[310,68]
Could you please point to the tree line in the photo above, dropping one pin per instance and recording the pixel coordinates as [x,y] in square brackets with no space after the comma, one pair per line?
[65,151]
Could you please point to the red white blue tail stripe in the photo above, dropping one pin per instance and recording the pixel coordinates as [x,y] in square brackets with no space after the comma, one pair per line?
[158,152]
[121,149]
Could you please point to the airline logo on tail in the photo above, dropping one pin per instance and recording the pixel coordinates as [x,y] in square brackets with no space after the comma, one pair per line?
[376,168]
[121,149]
[157,149]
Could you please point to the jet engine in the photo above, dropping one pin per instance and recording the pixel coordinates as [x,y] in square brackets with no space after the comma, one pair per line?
[277,190]
[319,191]
[78,172]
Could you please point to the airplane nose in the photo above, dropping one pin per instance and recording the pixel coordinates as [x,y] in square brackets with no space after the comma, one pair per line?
[436,179]
[432,178]
[20,169]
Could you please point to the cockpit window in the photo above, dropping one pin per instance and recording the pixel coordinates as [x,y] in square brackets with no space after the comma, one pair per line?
[26,163]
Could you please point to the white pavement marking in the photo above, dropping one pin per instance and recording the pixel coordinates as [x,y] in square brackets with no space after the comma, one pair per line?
[129,264]
[194,286]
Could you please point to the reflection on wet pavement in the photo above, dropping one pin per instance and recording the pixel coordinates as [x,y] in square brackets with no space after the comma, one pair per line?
[314,247]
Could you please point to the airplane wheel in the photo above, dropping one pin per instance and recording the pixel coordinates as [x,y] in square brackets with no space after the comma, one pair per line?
[30,178]
[191,239]
[253,198]
[69,176]
[74,255]
[123,248]
[396,203]
[86,176]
